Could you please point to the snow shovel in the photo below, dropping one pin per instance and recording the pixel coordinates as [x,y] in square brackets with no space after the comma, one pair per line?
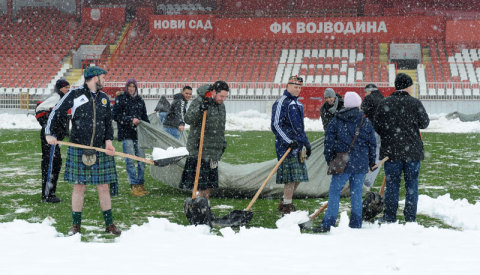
[309,224]
[242,217]
[373,203]
[196,209]
[158,162]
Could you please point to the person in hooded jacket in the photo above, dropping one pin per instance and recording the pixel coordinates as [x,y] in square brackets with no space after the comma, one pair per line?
[373,97]
[398,121]
[41,113]
[333,104]
[174,122]
[128,110]
[338,138]
[211,99]
[162,108]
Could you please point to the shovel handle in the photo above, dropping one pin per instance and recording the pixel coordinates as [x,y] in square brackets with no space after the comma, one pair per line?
[267,179]
[199,159]
[380,163]
[120,154]
[382,189]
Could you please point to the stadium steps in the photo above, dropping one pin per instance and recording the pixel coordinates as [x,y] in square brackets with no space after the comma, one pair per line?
[73,76]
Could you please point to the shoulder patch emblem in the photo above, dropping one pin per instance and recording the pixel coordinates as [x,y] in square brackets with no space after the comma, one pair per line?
[104,101]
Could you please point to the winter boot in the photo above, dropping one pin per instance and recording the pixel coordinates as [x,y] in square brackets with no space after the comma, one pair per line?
[136,191]
[287,209]
[142,188]
[74,230]
[280,205]
[113,229]
[51,199]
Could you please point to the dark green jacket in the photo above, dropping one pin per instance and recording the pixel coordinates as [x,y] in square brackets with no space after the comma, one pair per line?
[214,143]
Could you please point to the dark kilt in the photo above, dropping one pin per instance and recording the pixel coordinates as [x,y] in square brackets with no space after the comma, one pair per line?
[102,172]
[292,171]
[208,177]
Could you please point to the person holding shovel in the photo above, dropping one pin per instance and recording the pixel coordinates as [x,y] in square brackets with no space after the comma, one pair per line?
[128,110]
[210,98]
[287,125]
[92,126]
[349,131]
[398,121]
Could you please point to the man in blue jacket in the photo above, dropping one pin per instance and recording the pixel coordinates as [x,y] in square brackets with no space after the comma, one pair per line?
[128,110]
[287,125]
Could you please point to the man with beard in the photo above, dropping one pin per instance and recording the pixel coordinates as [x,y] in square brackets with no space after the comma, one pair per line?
[92,126]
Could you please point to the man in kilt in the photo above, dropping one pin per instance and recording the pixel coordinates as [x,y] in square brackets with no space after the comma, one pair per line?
[287,125]
[92,126]
[210,98]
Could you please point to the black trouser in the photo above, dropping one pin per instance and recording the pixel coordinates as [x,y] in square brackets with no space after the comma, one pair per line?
[57,164]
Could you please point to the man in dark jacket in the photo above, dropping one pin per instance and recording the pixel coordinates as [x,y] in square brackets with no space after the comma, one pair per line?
[333,104]
[398,121]
[128,110]
[91,126]
[210,98]
[42,112]
[174,122]
[372,99]
[289,129]
[162,108]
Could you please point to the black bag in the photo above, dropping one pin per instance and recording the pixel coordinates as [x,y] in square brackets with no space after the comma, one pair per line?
[338,164]
[373,205]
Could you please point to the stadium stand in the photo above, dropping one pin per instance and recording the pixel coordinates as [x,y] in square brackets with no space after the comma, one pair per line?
[33,60]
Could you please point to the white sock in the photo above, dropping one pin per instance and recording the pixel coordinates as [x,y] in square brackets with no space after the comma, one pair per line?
[285,201]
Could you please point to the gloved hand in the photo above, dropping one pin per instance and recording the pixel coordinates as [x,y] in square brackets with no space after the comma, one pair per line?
[309,151]
[372,168]
[293,145]
[205,104]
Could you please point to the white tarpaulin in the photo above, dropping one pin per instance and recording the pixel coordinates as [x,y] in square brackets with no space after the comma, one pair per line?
[236,180]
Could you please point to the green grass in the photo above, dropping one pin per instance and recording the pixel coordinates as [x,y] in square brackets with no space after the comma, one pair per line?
[449,167]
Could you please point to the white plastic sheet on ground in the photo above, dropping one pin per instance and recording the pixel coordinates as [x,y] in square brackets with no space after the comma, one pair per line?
[239,180]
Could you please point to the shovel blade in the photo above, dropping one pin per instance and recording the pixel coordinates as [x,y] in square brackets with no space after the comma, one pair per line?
[167,161]
[308,225]
[373,205]
[236,218]
[197,211]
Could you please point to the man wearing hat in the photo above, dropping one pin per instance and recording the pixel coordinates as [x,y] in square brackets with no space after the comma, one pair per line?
[372,99]
[333,104]
[288,126]
[41,113]
[92,126]
[398,121]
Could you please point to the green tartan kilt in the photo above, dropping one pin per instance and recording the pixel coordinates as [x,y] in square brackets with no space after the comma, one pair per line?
[102,172]
[208,178]
[292,171]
